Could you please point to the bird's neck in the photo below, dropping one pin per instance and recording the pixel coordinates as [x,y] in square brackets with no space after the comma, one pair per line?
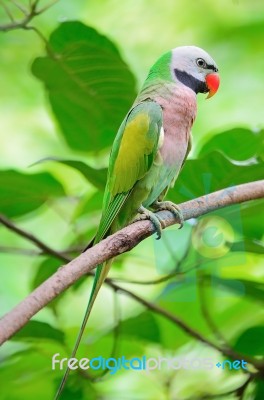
[169,95]
[151,89]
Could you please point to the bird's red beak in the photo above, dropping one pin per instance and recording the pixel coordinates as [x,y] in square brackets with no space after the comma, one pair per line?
[212,83]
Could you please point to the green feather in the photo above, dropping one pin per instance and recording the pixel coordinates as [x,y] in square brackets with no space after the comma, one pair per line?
[132,155]
[160,71]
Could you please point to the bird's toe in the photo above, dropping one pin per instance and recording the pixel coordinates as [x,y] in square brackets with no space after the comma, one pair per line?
[144,213]
[172,207]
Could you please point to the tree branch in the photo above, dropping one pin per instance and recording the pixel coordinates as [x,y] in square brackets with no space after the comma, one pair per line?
[120,242]
[46,249]
[34,253]
[206,313]
[29,15]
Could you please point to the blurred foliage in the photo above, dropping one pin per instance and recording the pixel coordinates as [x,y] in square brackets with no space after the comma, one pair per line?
[208,274]
[39,330]
[23,193]
[85,75]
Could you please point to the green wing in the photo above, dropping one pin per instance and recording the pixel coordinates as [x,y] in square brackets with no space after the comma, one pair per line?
[132,155]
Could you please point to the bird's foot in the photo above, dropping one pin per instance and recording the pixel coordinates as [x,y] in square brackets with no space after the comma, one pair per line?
[144,213]
[169,206]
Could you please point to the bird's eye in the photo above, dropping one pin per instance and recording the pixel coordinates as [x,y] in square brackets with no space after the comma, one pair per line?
[201,63]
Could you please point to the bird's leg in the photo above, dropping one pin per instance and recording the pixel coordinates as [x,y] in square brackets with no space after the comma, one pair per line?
[169,206]
[144,213]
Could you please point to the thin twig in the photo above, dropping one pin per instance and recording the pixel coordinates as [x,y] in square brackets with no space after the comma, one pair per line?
[41,36]
[19,251]
[20,7]
[18,25]
[45,8]
[34,253]
[167,277]
[7,11]
[32,238]
[206,314]
[148,282]
[29,15]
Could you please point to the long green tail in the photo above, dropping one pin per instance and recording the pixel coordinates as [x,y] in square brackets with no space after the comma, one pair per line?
[111,211]
[100,275]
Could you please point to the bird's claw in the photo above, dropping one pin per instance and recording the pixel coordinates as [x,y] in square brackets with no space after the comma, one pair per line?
[144,213]
[172,207]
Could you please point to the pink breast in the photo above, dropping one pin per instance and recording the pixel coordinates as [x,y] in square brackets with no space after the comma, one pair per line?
[179,112]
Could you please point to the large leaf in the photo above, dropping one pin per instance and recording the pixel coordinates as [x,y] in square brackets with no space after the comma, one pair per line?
[238,144]
[90,205]
[240,287]
[47,267]
[212,172]
[96,177]
[259,391]
[26,373]
[251,341]
[90,87]
[38,330]
[252,217]
[249,245]
[246,218]
[143,327]
[21,193]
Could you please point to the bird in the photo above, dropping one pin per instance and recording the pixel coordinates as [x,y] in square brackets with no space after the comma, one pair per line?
[150,149]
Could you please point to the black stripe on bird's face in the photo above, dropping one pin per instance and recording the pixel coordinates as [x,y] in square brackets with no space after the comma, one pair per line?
[193,83]
[212,67]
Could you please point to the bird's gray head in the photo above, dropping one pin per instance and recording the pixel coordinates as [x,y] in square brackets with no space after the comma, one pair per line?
[194,68]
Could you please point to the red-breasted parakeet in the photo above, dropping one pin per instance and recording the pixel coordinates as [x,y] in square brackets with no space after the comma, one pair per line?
[151,146]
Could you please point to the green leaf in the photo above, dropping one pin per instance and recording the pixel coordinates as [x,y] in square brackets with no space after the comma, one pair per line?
[251,217]
[38,330]
[246,218]
[23,193]
[45,270]
[209,173]
[250,342]
[143,326]
[91,204]
[89,85]
[252,246]
[241,287]
[96,177]
[259,391]
[27,374]
[171,250]
[238,144]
